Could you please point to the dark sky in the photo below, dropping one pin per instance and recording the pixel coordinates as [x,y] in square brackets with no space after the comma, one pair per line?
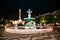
[9,8]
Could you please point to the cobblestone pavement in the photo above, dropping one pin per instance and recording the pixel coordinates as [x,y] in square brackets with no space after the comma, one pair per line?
[55,35]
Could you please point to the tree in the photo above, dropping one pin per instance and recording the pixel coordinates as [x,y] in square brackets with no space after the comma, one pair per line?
[49,18]
[2,21]
[42,20]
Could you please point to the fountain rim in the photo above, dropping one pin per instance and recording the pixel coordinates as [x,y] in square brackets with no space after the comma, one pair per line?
[28,31]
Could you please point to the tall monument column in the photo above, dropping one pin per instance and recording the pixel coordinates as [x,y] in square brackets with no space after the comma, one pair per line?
[20,15]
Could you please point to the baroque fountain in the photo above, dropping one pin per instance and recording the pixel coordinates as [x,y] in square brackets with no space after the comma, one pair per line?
[29,28]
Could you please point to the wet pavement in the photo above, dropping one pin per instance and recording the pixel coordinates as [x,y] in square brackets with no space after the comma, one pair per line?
[55,35]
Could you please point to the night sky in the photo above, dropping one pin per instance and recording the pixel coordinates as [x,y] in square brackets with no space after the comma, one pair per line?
[9,8]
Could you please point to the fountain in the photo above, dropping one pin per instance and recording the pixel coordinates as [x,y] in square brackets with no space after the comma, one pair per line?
[30,23]
[29,28]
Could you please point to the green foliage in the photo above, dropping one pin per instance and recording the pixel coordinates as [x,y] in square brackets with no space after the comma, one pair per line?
[49,18]
[57,14]
[38,20]
[57,19]
[2,21]
[42,20]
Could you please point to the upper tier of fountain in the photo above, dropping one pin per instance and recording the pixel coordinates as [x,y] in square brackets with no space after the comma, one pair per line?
[29,15]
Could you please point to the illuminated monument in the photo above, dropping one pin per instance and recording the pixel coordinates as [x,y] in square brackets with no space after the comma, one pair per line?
[20,20]
[29,23]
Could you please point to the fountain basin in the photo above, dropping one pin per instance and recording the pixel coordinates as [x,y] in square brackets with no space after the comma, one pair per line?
[28,18]
[28,31]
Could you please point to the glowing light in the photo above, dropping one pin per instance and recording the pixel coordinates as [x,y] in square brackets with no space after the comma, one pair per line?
[15,22]
[20,20]
[23,22]
[54,16]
